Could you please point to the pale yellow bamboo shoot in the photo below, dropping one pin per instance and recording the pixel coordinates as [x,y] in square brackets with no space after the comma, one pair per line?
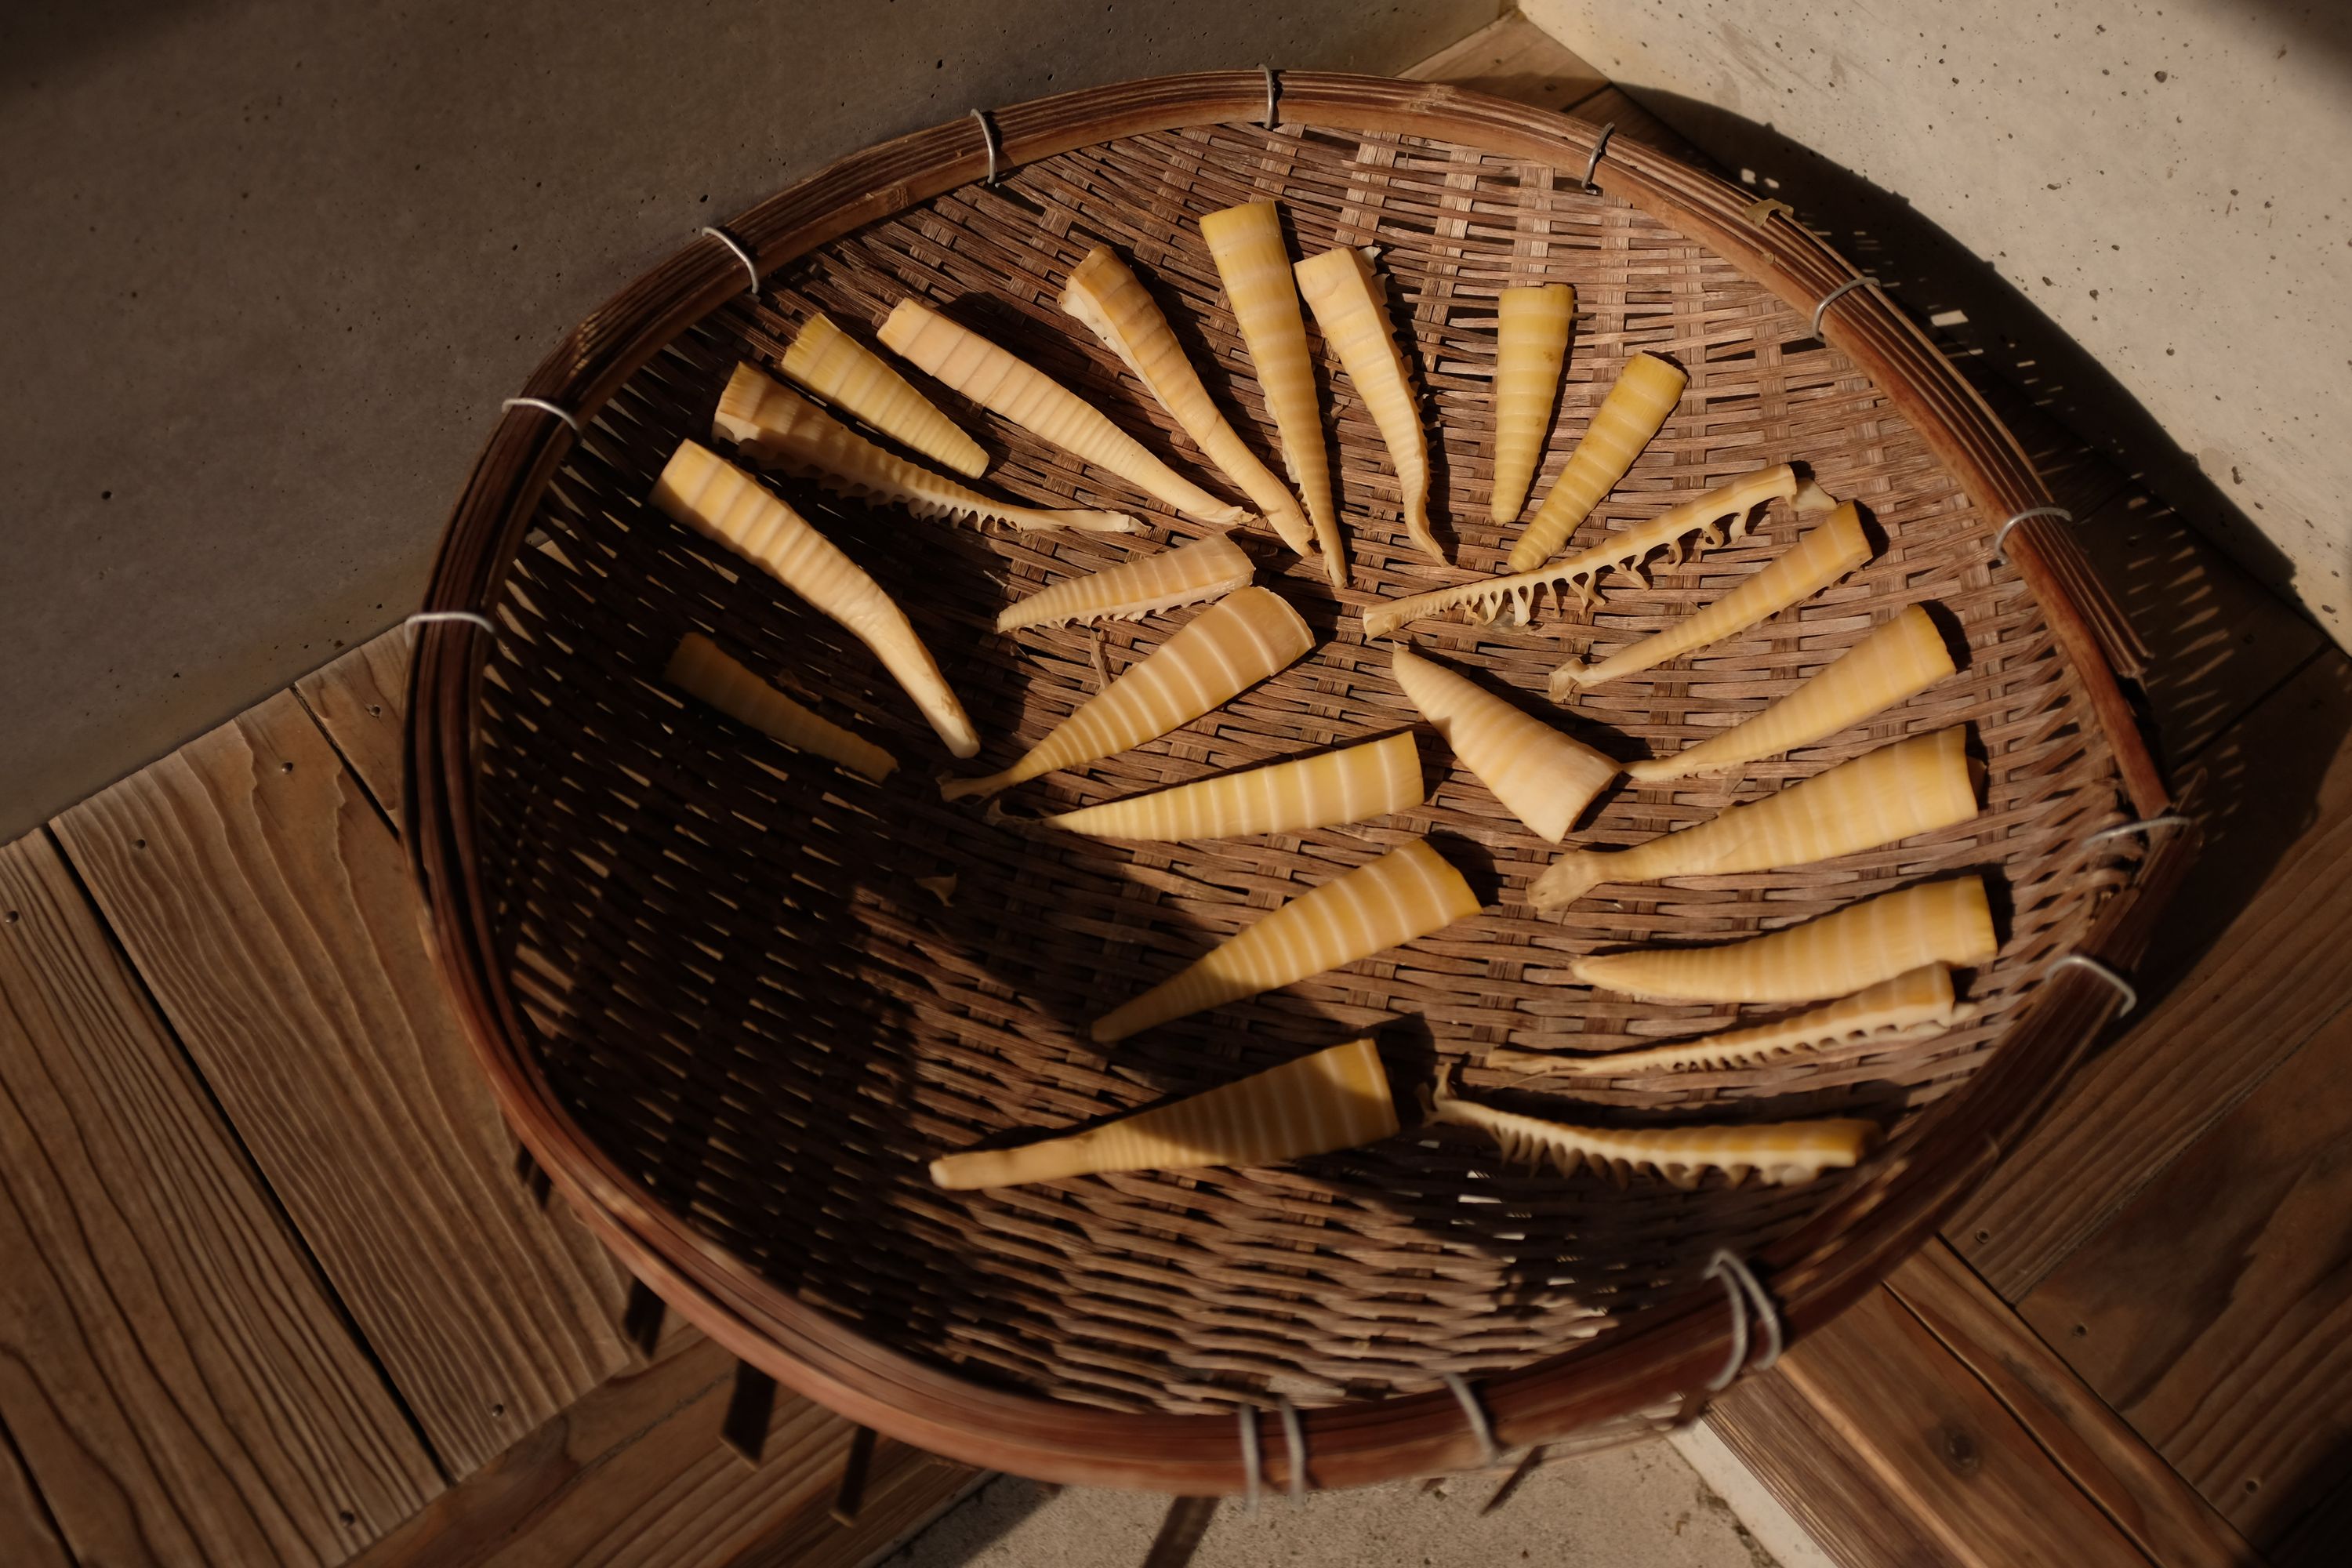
[1778,1154]
[1336,1099]
[860,382]
[1891,664]
[1541,776]
[721,502]
[1349,302]
[1636,409]
[1354,784]
[1207,568]
[1720,514]
[1898,791]
[1530,349]
[1113,304]
[962,360]
[1824,555]
[1226,648]
[1408,892]
[700,671]
[1246,242]
[773,427]
[1916,1005]
[1858,946]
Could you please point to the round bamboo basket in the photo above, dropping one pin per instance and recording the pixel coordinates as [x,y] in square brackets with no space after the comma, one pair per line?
[727,1021]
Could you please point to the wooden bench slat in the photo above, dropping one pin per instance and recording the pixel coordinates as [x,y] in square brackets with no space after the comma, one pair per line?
[357,699]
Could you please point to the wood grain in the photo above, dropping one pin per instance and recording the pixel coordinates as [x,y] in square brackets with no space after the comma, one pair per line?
[270,912]
[1824,1483]
[2142,1494]
[28,1537]
[1514,59]
[635,1474]
[180,1383]
[356,698]
[2215,1312]
[2250,957]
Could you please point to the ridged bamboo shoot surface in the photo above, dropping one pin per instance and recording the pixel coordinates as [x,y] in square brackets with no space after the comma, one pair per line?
[725,1010]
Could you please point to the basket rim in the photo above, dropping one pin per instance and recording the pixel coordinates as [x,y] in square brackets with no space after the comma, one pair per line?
[1666,1353]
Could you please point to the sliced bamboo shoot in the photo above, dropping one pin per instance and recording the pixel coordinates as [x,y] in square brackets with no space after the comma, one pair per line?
[855,379]
[1114,305]
[1842,951]
[1247,244]
[1531,348]
[1891,664]
[775,427]
[1226,648]
[1353,784]
[1720,514]
[962,359]
[1647,390]
[1819,559]
[1779,1153]
[700,671]
[1542,777]
[1915,1005]
[1205,569]
[722,502]
[1406,893]
[1336,1099]
[1884,796]
[1348,301]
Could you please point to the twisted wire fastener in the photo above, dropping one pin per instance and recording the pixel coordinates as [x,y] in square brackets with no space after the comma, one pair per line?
[2151,827]
[1747,1293]
[1252,1461]
[1821,307]
[2000,535]
[1593,163]
[544,406]
[1294,1437]
[1476,1414]
[1273,96]
[423,616]
[742,255]
[2123,988]
[988,133]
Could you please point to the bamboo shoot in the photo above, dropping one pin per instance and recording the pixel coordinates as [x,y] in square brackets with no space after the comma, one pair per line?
[775,427]
[1246,242]
[721,502]
[1226,648]
[1114,305]
[1348,301]
[1844,951]
[1531,348]
[1352,784]
[859,381]
[1636,407]
[1207,568]
[700,671]
[1541,776]
[1819,559]
[1336,1099]
[1898,791]
[1779,1153]
[1891,664]
[958,358]
[1406,893]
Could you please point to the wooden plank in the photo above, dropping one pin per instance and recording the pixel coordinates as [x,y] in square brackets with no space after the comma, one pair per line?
[1514,59]
[269,910]
[635,1474]
[1967,1474]
[180,1383]
[2113,1466]
[357,699]
[1613,105]
[1825,1485]
[2215,1312]
[28,1536]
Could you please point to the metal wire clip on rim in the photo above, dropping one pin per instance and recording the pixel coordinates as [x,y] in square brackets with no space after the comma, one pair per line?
[2000,535]
[731,243]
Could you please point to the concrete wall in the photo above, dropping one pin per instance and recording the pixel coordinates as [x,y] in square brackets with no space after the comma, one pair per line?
[2159,193]
[266,267]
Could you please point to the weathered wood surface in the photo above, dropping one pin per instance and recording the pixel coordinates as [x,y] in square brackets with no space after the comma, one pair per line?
[28,1537]
[269,909]
[1515,58]
[178,1380]
[357,699]
[1825,1483]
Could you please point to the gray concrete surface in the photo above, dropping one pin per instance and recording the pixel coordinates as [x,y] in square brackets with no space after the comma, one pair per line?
[1641,1506]
[267,265]
[2162,191]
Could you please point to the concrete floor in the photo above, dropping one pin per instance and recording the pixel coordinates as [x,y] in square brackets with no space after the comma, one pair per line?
[1641,1506]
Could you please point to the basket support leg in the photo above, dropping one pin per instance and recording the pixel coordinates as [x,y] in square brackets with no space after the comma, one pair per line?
[745,1430]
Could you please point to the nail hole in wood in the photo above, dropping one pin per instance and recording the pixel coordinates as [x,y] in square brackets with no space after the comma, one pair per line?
[139,844]
[375,710]
[2253,1485]
[346,1517]
[286,767]
[10,920]
[1983,1236]
[499,1408]
[2081,1331]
